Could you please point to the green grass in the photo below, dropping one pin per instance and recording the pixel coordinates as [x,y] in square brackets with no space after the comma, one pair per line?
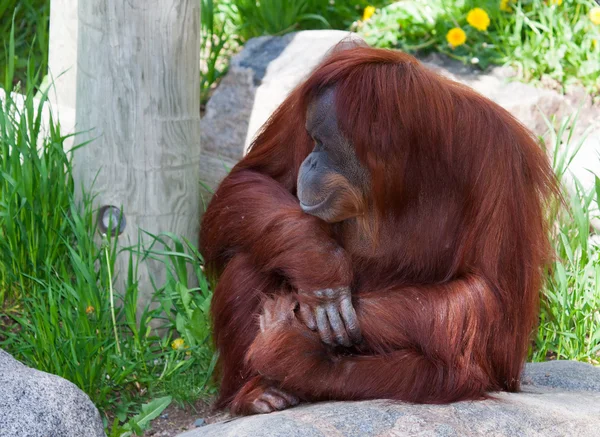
[570,313]
[216,45]
[541,40]
[63,309]
[274,17]
[34,184]
[31,18]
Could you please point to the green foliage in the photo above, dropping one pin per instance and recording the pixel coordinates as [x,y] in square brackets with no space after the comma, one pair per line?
[538,37]
[274,17]
[141,421]
[409,25]
[186,308]
[341,14]
[65,325]
[31,36]
[63,311]
[570,317]
[214,40]
[557,41]
[35,183]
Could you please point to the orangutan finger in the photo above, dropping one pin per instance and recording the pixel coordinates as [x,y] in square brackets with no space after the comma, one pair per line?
[307,316]
[284,303]
[290,398]
[276,401]
[323,325]
[350,319]
[280,308]
[261,407]
[338,328]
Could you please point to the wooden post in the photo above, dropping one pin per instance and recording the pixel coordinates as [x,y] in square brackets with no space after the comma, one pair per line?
[138,100]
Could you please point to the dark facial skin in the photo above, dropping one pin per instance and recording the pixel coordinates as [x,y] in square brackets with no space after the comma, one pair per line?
[332,185]
[331,177]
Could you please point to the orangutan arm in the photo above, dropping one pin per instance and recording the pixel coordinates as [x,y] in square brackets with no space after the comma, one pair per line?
[252,213]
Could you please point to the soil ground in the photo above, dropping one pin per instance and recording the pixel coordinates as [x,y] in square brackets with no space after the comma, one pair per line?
[176,419]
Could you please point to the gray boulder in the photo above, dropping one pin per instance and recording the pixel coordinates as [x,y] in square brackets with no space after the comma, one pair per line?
[34,403]
[559,398]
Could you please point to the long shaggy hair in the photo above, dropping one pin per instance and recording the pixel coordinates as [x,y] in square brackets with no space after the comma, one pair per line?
[448,297]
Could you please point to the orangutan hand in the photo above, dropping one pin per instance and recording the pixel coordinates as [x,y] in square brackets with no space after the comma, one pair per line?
[330,312]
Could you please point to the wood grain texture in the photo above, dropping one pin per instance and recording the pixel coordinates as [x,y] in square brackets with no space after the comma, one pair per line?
[138,99]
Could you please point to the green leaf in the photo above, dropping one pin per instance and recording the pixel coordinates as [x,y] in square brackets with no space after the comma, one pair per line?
[186,297]
[197,325]
[180,323]
[151,411]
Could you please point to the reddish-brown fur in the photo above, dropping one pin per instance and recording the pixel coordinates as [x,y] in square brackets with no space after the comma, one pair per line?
[446,289]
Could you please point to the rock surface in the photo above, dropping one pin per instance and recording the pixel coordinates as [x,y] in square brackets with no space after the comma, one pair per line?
[268,68]
[559,398]
[37,404]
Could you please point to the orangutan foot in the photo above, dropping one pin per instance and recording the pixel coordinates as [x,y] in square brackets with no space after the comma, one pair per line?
[272,399]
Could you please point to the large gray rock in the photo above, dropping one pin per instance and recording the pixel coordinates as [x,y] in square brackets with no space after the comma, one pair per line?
[268,68]
[559,398]
[37,404]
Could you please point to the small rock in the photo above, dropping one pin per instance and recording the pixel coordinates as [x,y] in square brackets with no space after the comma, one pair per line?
[199,422]
[164,416]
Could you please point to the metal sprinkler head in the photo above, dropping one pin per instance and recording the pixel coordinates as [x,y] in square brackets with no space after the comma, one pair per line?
[111,217]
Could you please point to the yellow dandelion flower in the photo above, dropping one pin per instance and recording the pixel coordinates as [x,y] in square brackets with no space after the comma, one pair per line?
[178,344]
[594,43]
[478,18]
[505,5]
[368,13]
[556,2]
[90,309]
[456,37]
[595,15]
